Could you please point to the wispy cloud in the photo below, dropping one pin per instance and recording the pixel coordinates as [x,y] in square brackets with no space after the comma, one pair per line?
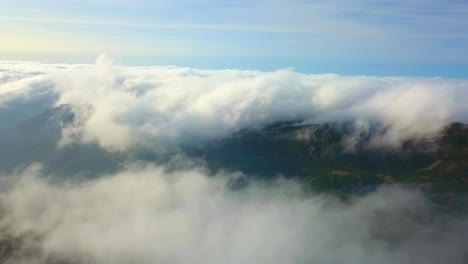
[187,26]
[358,30]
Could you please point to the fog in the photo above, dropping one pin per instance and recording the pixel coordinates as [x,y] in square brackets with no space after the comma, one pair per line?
[145,214]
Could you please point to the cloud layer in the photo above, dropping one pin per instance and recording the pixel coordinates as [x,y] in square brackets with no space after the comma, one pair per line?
[123,107]
[149,214]
[146,215]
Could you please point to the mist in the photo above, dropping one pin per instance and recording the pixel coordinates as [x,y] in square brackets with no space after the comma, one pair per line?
[146,214]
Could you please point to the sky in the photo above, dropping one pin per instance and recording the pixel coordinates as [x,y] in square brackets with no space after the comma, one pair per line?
[354,37]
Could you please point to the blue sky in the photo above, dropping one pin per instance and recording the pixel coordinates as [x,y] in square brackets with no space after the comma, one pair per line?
[364,37]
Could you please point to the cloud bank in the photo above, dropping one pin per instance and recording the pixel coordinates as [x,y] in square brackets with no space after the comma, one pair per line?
[145,214]
[178,214]
[123,107]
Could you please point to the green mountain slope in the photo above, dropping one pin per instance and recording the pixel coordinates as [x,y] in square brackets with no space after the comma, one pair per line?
[317,154]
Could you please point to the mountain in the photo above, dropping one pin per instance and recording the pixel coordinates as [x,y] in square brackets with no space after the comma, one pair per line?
[314,153]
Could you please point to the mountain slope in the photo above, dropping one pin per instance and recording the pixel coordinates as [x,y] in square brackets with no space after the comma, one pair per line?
[317,154]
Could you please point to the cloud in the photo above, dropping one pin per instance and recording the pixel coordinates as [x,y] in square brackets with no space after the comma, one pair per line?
[145,214]
[150,214]
[134,106]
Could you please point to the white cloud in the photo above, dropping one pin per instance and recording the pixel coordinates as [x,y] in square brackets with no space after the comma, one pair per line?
[170,105]
[146,215]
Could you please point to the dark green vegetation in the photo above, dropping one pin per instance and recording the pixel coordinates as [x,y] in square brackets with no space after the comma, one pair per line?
[316,154]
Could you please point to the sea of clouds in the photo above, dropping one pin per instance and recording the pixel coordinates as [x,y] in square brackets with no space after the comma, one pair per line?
[146,213]
[124,107]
